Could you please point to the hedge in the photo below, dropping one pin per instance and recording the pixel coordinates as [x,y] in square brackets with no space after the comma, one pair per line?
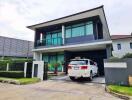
[14,65]
[128,55]
[3,65]
[12,74]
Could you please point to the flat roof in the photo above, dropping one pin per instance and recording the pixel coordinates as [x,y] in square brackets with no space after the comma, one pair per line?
[15,39]
[81,15]
[116,37]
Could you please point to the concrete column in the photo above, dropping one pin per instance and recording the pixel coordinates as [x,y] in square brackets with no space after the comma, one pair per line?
[7,67]
[34,55]
[108,50]
[40,57]
[63,34]
[37,56]
[25,68]
[32,70]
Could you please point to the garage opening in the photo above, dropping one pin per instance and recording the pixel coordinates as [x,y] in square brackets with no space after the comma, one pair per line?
[96,55]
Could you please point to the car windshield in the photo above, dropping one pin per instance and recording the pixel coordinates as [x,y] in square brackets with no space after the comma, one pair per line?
[78,62]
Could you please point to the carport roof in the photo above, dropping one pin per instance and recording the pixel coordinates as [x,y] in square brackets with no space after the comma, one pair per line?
[96,45]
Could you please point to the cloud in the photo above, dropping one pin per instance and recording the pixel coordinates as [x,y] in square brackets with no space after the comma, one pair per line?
[15,15]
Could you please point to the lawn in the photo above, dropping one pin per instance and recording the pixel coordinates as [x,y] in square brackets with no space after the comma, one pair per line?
[121,89]
[21,81]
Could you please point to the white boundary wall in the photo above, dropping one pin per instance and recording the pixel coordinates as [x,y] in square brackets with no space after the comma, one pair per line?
[115,65]
[40,69]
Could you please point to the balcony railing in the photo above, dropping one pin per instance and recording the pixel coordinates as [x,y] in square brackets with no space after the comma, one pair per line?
[49,42]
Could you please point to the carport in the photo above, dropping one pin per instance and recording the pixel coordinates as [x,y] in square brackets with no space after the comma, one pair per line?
[95,55]
[95,50]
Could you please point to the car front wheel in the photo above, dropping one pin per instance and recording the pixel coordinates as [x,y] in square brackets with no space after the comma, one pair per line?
[72,78]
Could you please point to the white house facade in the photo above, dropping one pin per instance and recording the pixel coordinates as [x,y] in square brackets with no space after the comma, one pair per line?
[122,44]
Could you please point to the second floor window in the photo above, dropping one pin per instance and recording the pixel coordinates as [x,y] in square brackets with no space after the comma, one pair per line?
[119,46]
[79,30]
[131,45]
[53,38]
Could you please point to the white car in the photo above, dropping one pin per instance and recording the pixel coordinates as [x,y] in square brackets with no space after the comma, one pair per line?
[85,68]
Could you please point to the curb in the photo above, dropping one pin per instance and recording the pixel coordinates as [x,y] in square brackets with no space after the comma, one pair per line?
[125,97]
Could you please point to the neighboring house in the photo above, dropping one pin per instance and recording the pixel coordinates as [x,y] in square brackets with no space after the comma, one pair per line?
[122,44]
[10,47]
[83,34]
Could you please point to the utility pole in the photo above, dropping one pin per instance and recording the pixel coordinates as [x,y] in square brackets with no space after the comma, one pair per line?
[3,48]
[28,50]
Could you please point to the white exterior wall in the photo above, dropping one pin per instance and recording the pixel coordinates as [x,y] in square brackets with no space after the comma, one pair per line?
[125,47]
[115,65]
[37,56]
[40,69]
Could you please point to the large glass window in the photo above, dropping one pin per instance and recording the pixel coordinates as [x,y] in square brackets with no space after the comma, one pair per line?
[45,58]
[79,29]
[60,57]
[59,38]
[48,39]
[52,59]
[54,38]
[68,33]
[89,28]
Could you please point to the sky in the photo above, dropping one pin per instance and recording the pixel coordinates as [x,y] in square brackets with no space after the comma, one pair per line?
[15,15]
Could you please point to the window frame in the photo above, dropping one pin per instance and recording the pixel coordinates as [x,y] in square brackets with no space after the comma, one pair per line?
[119,46]
[51,40]
[84,25]
[130,45]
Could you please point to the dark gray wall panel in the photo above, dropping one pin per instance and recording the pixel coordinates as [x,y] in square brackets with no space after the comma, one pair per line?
[80,39]
[119,76]
[15,47]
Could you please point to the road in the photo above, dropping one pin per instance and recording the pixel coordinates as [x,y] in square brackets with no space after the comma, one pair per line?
[55,90]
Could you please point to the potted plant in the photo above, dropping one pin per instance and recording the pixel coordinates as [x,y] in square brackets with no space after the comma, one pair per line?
[56,65]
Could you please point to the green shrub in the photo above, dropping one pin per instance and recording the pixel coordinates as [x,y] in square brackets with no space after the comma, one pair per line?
[114,59]
[3,64]
[12,74]
[128,55]
[14,64]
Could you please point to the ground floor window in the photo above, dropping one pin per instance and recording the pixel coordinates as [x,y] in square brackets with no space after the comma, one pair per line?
[54,60]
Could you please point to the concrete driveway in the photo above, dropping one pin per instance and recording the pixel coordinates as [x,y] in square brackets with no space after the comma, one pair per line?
[99,80]
[55,90]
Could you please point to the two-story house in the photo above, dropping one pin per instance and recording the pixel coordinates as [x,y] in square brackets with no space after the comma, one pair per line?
[122,44]
[84,34]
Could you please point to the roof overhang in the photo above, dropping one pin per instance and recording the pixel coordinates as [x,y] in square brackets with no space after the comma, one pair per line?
[76,47]
[98,11]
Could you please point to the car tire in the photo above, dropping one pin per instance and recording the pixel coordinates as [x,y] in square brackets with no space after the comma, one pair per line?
[91,76]
[72,78]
